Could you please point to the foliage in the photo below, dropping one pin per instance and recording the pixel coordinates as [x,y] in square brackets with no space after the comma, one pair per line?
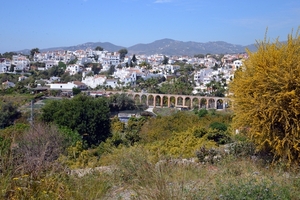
[219,136]
[8,55]
[253,188]
[267,98]
[202,112]
[210,155]
[219,126]
[87,115]
[57,70]
[165,60]
[181,144]
[180,86]
[38,148]
[8,114]
[76,91]
[98,48]
[123,53]
[33,51]
[119,102]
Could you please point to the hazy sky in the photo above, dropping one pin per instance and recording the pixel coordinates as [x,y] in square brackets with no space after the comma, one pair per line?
[27,24]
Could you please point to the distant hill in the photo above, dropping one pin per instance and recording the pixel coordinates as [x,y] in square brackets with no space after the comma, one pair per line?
[174,47]
[164,46]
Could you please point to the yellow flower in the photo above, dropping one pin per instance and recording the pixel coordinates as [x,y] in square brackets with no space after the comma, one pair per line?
[16,178]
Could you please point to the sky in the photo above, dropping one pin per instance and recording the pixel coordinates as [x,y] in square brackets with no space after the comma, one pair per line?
[42,24]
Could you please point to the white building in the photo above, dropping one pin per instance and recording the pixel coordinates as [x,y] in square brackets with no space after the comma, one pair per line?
[94,81]
[67,86]
[237,64]
[73,69]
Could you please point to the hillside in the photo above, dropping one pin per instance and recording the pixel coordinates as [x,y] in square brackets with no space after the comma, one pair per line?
[163,46]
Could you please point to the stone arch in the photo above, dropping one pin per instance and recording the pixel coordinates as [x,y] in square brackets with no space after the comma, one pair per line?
[137,99]
[195,103]
[179,101]
[211,104]
[165,101]
[187,102]
[220,104]
[144,100]
[130,95]
[158,100]
[172,101]
[150,100]
[203,103]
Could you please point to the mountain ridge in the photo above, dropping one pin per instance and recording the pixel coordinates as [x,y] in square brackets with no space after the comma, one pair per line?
[164,46]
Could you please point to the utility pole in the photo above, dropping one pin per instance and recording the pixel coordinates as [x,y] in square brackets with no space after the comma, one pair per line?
[31,113]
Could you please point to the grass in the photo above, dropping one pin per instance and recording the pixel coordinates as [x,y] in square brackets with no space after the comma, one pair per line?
[134,174]
[232,178]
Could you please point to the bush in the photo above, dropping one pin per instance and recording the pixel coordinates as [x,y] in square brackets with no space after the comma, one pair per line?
[266,97]
[202,112]
[218,126]
[220,137]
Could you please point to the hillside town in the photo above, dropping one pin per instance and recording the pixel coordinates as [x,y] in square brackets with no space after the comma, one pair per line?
[100,69]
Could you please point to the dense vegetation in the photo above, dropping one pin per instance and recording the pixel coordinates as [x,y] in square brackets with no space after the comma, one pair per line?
[267,98]
[152,157]
[86,115]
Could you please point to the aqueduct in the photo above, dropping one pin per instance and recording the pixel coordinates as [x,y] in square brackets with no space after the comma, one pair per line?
[179,101]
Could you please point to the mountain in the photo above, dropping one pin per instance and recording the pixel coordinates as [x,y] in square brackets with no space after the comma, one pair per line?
[105,45]
[164,46]
[174,47]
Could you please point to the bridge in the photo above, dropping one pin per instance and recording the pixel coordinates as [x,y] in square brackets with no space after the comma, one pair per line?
[178,101]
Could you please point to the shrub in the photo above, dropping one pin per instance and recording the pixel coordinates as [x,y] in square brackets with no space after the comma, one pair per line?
[266,96]
[202,112]
[220,137]
[218,125]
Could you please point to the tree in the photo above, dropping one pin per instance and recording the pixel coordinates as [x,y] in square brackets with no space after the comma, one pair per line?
[165,60]
[133,59]
[122,53]
[98,48]
[76,91]
[86,115]
[33,51]
[266,98]
[8,114]
[119,102]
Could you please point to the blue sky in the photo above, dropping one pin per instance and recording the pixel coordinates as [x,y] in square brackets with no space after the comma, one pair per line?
[28,24]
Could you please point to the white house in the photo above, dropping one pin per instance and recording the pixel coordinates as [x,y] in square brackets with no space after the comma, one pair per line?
[67,86]
[4,65]
[94,81]
[112,83]
[237,64]
[73,69]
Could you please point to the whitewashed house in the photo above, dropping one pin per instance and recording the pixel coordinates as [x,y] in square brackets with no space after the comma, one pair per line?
[237,64]
[94,81]
[73,69]
[67,86]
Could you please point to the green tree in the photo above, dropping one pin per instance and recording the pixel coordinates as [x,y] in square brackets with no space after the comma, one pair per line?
[76,91]
[266,98]
[165,60]
[86,115]
[98,48]
[122,53]
[33,51]
[119,102]
[133,59]
[8,114]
